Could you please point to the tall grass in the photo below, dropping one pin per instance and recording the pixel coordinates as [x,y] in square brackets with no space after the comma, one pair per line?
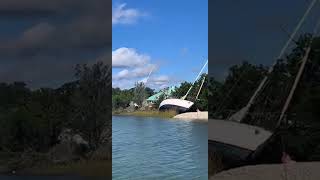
[38,164]
[92,168]
[151,113]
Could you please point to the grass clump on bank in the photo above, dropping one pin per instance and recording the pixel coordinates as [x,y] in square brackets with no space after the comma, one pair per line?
[150,113]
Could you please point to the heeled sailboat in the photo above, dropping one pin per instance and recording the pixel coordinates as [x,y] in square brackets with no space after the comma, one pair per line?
[181,105]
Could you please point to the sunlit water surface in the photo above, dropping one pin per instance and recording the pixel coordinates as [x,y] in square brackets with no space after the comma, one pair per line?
[153,148]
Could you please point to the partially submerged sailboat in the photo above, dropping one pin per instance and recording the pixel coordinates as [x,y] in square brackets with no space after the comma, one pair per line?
[241,144]
[181,105]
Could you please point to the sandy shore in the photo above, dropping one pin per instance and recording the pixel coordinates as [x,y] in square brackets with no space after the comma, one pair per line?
[193,115]
[292,171]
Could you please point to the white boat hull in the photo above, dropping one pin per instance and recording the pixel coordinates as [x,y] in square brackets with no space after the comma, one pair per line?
[237,134]
[178,105]
[234,142]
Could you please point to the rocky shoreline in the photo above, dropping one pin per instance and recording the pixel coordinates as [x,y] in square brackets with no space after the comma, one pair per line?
[72,150]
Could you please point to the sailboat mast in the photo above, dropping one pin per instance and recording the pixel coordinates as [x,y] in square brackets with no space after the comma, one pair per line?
[204,78]
[283,50]
[242,113]
[149,75]
[296,81]
[184,97]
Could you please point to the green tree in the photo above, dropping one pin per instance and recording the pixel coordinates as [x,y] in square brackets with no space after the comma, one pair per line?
[202,101]
[93,102]
[181,90]
[149,91]
[160,99]
[140,93]
[236,90]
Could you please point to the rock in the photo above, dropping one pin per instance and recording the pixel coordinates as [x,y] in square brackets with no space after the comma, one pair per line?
[68,136]
[65,136]
[77,139]
[71,147]
[145,104]
[143,108]
[131,107]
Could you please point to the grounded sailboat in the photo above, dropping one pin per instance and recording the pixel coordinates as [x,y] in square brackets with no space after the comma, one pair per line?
[241,144]
[181,105]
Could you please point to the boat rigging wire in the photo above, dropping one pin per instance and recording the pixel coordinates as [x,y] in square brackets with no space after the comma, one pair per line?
[238,116]
[304,61]
[184,97]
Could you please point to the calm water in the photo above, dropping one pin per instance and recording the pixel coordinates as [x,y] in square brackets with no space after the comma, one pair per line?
[48,178]
[153,148]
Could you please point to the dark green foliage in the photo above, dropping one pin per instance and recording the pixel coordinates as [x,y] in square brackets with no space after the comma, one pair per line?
[201,102]
[140,93]
[181,90]
[161,98]
[234,93]
[33,119]
[92,102]
[121,98]
[299,133]
[149,92]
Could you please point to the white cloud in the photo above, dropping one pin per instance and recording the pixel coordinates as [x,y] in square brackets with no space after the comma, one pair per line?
[138,72]
[131,66]
[144,70]
[134,64]
[128,57]
[123,84]
[123,15]
[122,74]
[159,82]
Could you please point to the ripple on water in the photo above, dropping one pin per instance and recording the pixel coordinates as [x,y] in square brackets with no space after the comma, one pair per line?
[153,148]
[50,178]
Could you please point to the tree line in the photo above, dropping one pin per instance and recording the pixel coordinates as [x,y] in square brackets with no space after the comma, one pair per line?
[228,96]
[300,130]
[33,119]
[121,98]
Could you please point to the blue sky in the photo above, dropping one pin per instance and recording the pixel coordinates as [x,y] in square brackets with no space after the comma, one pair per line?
[251,30]
[170,37]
